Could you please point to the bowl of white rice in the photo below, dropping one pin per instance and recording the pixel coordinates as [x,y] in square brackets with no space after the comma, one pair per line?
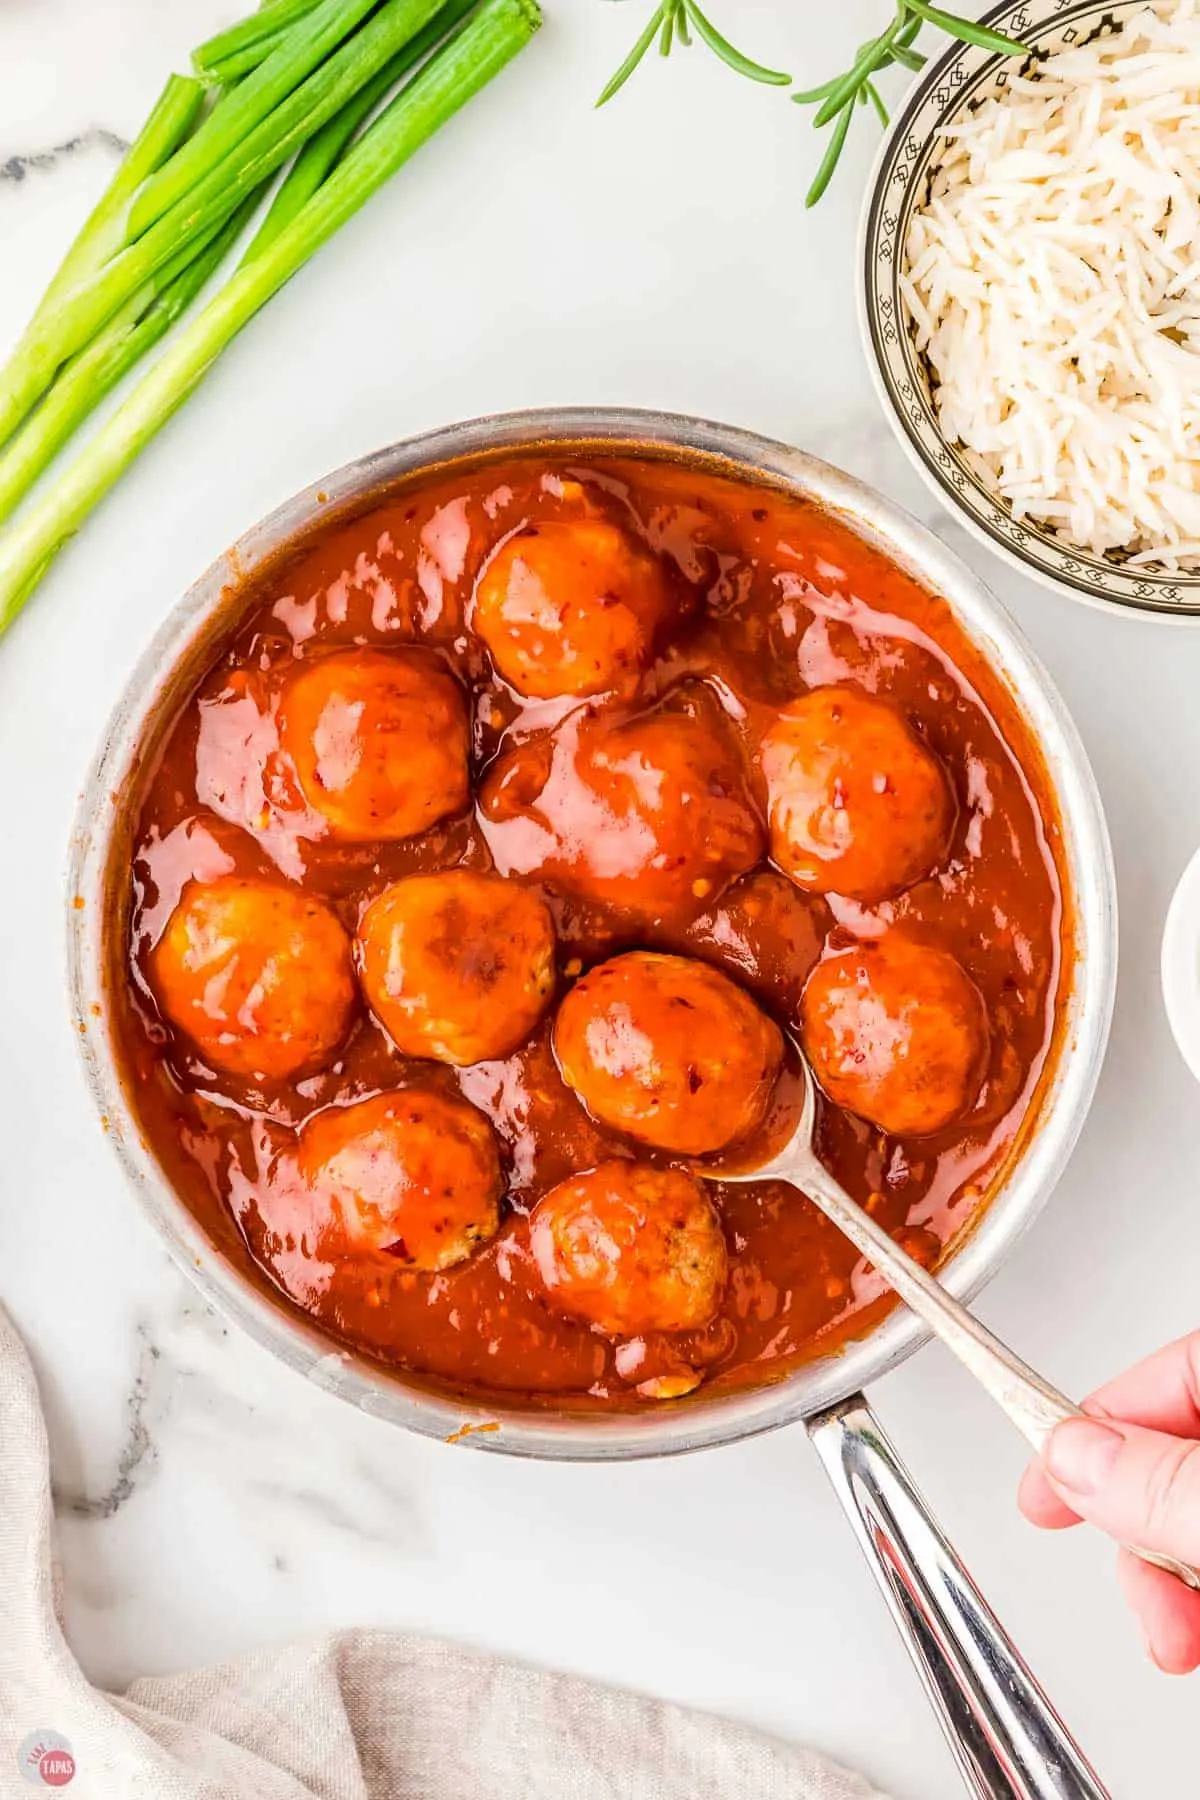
[1031,294]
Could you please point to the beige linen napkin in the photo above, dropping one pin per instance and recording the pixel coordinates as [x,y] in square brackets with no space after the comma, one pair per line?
[364,1715]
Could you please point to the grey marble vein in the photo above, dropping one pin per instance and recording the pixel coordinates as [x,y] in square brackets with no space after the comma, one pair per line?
[137,1451]
[18,166]
[393,1520]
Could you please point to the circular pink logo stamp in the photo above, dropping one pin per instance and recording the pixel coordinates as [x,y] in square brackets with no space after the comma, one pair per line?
[46,1759]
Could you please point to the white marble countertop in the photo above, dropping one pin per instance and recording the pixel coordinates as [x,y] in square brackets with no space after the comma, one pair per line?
[656,253]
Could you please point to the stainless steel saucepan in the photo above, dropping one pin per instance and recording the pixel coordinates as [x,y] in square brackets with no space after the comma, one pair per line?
[1007,1738]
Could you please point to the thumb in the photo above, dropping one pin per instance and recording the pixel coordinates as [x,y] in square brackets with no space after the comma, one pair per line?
[1140,1486]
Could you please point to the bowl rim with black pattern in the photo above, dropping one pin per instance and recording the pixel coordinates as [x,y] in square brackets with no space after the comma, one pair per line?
[962,77]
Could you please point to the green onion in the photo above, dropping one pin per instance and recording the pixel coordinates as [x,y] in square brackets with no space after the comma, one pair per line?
[68,325]
[88,377]
[103,234]
[244,62]
[174,114]
[493,34]
[324,149]
[248,35]
[272,86]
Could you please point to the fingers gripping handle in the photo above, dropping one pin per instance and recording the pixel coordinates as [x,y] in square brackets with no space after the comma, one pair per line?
[1009,1742]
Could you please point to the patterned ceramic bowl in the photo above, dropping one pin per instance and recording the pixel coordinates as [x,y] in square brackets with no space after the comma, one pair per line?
[908,160]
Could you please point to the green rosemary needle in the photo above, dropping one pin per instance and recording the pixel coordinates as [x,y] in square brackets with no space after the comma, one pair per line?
[837,99]
[674,22]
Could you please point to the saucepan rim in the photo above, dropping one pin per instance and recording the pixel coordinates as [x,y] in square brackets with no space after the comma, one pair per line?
[700,1421]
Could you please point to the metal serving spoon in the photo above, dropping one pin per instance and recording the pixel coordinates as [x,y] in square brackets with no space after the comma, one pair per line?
[1034,1407]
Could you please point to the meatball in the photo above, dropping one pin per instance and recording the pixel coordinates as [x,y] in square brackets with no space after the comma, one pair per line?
[649,815]
[258,975]
[669,1051]
[897,1032]
[766,933]
[457,966]
[412,1173]
[631,1249]
[857,804]
[570,608]
[380,742]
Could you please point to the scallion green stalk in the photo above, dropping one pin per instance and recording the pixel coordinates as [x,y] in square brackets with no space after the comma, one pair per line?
[244,62]
[325,148]
[488,40]
[95,371]
[103,234]
[92,374]
[306,49]
[248,35]
[175,112]
[62,329]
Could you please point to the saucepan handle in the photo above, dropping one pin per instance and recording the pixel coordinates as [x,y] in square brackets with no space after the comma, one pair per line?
[1009,1742]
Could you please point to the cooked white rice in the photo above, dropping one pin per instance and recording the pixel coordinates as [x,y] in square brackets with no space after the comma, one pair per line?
[1053,284]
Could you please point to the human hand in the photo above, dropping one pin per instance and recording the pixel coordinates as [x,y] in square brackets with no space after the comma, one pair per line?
[1133,1469]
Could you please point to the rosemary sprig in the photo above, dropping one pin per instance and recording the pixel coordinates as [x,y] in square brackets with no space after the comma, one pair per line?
[836,100]
[674,21]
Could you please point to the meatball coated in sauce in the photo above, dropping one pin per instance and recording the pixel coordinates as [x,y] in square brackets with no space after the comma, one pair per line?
[896,1032]
[640,819]
[668,1050]
[380,742]
[765,932]
[412,1173]
[457,966]
[570,608]
[258,975]
[648,814]
[631,1249]
[858,805]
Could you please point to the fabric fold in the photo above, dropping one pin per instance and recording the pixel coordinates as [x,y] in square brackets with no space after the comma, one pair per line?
[360,1715]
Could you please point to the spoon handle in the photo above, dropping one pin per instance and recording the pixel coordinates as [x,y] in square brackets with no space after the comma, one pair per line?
[1034,1407]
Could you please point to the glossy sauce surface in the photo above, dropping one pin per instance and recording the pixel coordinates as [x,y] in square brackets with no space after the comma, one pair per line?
[769,598]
